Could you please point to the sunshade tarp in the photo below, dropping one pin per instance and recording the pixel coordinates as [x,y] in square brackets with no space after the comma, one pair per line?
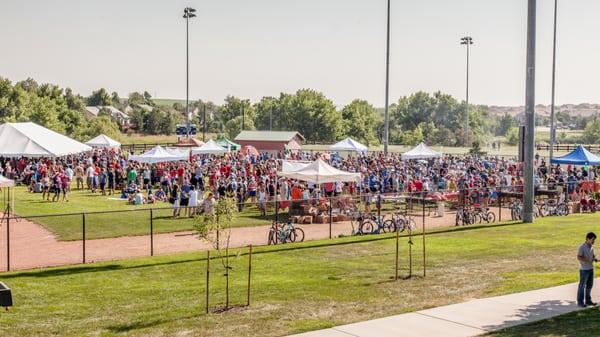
[292,165]
[349,144]
[158,155]
[103,141]
[5,182]
[319,172]
[32,140]
[421,151]
[210,147]
[228,144]
[249,150]
[579,156]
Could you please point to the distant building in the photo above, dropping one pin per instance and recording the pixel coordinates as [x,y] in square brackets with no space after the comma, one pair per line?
[118,115]
[271,141]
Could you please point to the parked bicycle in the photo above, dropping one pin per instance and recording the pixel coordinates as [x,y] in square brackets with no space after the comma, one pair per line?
[285,233]
[464,216]
[400,221]
[553,207]
[480,215]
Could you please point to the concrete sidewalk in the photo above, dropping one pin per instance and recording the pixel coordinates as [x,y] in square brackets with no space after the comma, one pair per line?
[470,318]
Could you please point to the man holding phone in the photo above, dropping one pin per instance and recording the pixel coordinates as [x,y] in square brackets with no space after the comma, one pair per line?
[586,258]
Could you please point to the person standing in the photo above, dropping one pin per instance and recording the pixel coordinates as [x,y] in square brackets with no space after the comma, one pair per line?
[586,258]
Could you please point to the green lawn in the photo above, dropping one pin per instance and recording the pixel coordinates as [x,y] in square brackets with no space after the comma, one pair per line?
[294,290]
[584,323]
[134,222]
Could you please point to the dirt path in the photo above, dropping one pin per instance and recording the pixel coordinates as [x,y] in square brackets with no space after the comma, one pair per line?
[33,246]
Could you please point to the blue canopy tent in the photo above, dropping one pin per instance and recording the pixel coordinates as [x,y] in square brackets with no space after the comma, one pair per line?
[579,156]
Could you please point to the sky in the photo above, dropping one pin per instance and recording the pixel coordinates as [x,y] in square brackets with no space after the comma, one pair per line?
[260,48]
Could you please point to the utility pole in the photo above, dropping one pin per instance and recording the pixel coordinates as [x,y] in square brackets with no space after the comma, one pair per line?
[271,119]
[204,123]
[243,117]
[188,13]
[552,125]
[386,132]
[529,114]
[467,40]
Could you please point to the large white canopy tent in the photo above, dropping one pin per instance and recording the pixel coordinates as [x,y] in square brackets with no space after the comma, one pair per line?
[31,140]
[293,165]
[349,144]
[103,141]
[319,172]
[210,147]
[421,151]
[158,155]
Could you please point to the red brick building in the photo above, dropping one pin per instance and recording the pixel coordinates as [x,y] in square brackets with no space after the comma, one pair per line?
[271,141]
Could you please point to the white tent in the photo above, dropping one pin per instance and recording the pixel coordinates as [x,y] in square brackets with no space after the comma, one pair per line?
[103,141]
[293,165]
[319,172]
[421,151]
[5,182]
[31,140]
[210,147]
[349,144]
[179,151]
[157,155]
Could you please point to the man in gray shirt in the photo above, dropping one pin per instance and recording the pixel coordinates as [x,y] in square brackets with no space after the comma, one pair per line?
[586,258]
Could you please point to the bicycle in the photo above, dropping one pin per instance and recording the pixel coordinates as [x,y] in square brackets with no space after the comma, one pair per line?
[464,216]
[486,215]
[285,233]
[553,207]
[400,221]
[516,210]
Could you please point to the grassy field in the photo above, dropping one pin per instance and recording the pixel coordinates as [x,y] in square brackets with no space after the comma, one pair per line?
[577,324]
[134,222]
[302,287]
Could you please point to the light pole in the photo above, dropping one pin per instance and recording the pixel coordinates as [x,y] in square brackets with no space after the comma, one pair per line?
[243,117]
[386,131]
[188,13]
[271,119]
[529,114]
[467,40]
[552,126]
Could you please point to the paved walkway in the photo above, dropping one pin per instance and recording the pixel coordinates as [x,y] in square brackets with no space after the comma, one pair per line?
[470,318]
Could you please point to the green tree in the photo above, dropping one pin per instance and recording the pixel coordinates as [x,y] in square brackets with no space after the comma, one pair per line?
[591,133]
[99,97]
[153,121]
[96,126]
[512,136]
[361,121]
[235,107]
[234,126]
[505,123]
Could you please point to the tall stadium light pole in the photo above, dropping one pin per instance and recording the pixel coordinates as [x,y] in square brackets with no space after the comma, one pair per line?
[467,40]
[386,132]
[243,117]
[188,13]
[552,126]
[271,119]
[529,114]
[204,123]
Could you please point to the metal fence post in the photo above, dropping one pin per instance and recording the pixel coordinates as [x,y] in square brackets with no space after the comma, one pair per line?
[424,257]
[500,204]
[249,272]
[330,214]
[151,233]
[83,234]
[397,248]
[207,278]
[8,242]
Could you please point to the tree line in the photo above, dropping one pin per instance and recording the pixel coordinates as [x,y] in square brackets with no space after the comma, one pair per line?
[437,119]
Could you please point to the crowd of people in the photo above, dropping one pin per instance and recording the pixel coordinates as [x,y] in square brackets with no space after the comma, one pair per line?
[197,183]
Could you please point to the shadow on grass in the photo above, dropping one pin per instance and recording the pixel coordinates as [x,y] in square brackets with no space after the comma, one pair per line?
[127,327]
